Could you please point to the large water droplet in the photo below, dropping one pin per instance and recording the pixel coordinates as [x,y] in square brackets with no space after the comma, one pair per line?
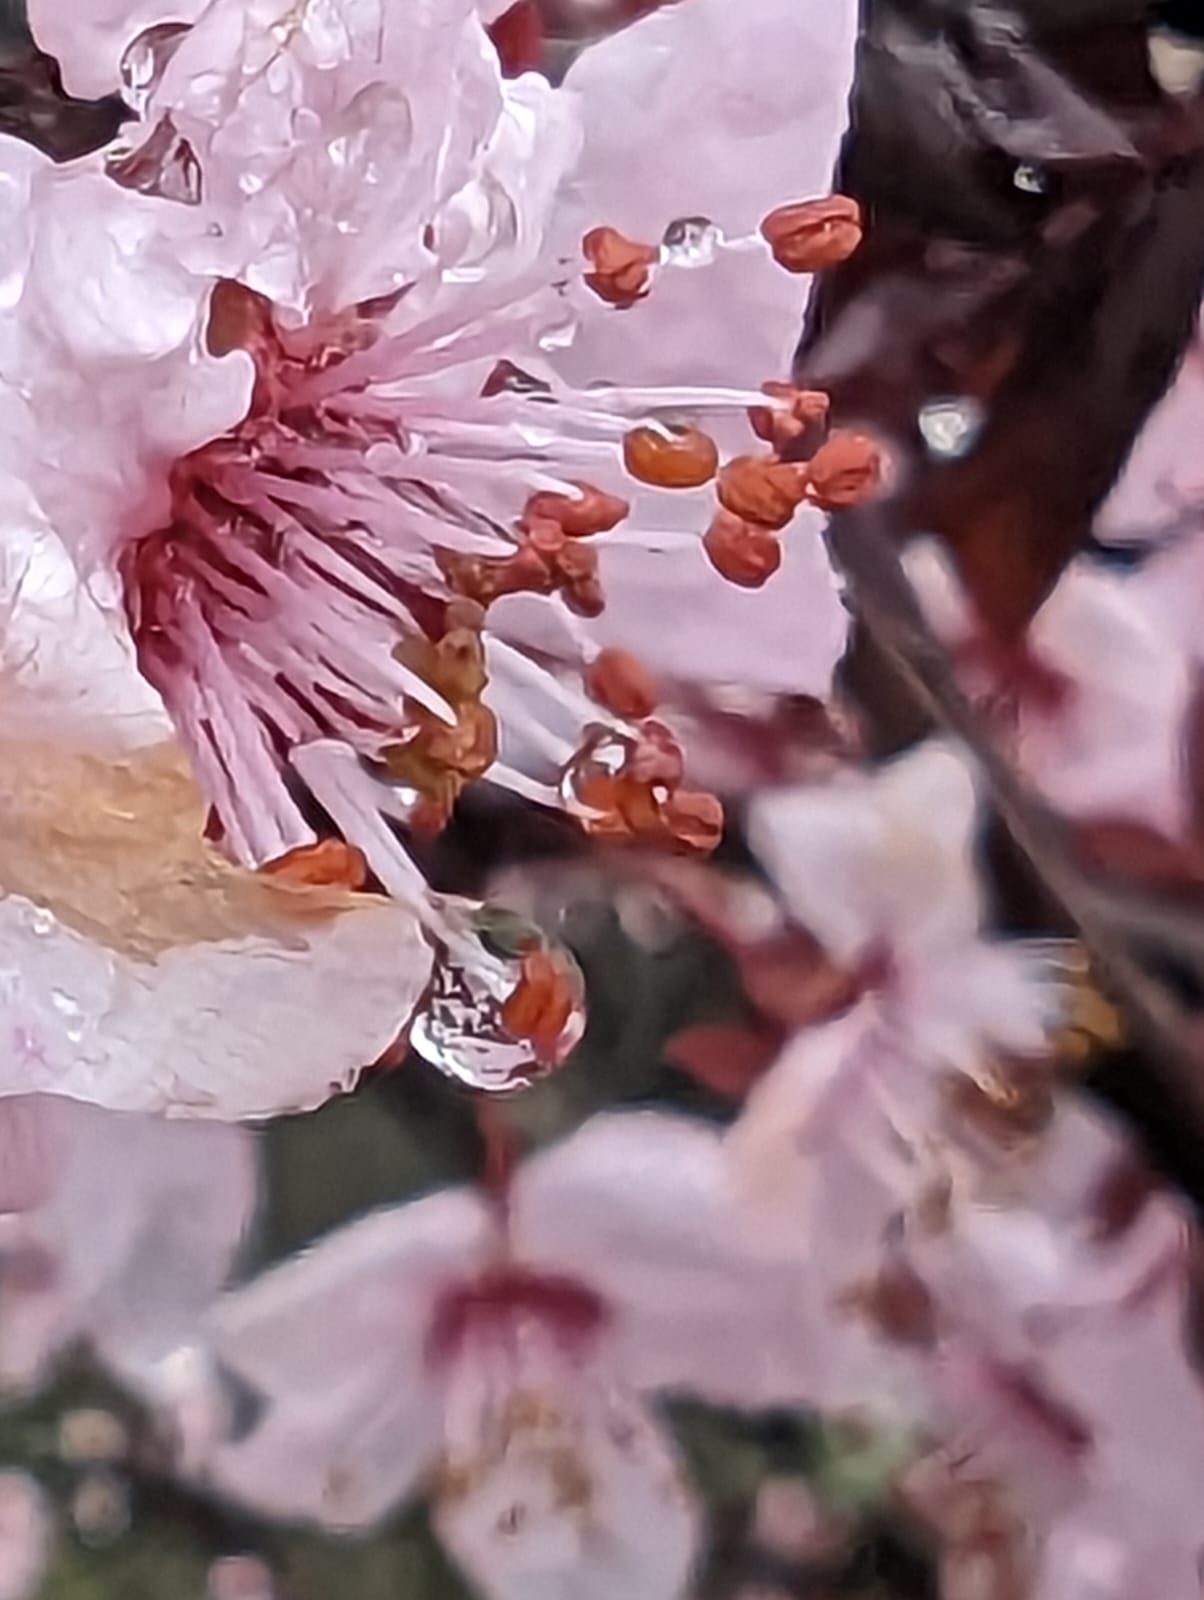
[690,242]
[506,1005]
[164,165]
[71,1012]
[950,426]
[145,61]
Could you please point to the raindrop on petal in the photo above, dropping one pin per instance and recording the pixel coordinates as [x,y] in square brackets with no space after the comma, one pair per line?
[505,1006]
[690,242]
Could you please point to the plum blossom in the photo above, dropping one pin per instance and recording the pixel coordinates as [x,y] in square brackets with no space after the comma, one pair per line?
[506,1359]
[1093,702]
[115,1230]
[878,867]
[1059,1380]
[139,969]
[378,511]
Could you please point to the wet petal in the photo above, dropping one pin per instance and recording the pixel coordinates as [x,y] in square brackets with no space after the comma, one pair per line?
[139,970]
[90,40]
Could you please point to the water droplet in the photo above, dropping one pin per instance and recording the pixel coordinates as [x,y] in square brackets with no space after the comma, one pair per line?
[71,1012]
[145,61]
[40,921]
[506,1005]
[950,426]
[1029,178]
[164,165]
[690,242]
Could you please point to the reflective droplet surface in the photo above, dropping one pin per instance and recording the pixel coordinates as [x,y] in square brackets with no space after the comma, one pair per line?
[164,165]
[950,425]
[690,242]
[145,61]
[1029,178]
[506,1005]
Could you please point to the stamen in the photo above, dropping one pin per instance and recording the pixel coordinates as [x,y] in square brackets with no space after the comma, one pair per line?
[744,553]
[762,489]
[671,458]
[809,235]
[622,267]
[844,471]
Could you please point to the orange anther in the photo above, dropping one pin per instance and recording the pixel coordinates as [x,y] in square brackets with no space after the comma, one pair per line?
[844,471]
[622,684]
[622,267]
[539,1008]
[671,458]
[741,552]
[812,234]
[328,864]
[594,511]
[780,426]
[762,489]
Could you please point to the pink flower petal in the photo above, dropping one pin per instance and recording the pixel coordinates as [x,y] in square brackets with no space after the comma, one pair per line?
[335,1345]
[639,1206]
[89,40]
[131,1230]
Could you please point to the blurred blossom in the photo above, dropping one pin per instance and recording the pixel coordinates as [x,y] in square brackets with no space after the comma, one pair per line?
[409,440]
[1092,703]
[25,1536]
[126,1228]
[90,1435]
[510,1356]
[240,1578]
[905,986]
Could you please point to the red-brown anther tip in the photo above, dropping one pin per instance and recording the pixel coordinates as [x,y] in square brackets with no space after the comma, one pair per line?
[694,820]
[812,234]
[594,512]
[238,318]
[744,554]
[616,680]
[844,471]
[762,489]
[540,1006]
[328,864]
[675,458]
[622,267]
[780,426]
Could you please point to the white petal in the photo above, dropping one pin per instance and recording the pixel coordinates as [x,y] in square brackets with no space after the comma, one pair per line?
[135,1227]
[90,39]
[140,971]
[335,1345]
[640,1207]
[569,1489]
[884,860]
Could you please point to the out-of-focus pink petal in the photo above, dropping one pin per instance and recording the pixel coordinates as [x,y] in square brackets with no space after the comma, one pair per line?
[89,40]
[884,861]
[569,1488]
[1114,746]
[25,1536]
[1099,729]
[641,1208]
[133,1225]
[1162,485]
[143,972]
[712,111]
[335,1346]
